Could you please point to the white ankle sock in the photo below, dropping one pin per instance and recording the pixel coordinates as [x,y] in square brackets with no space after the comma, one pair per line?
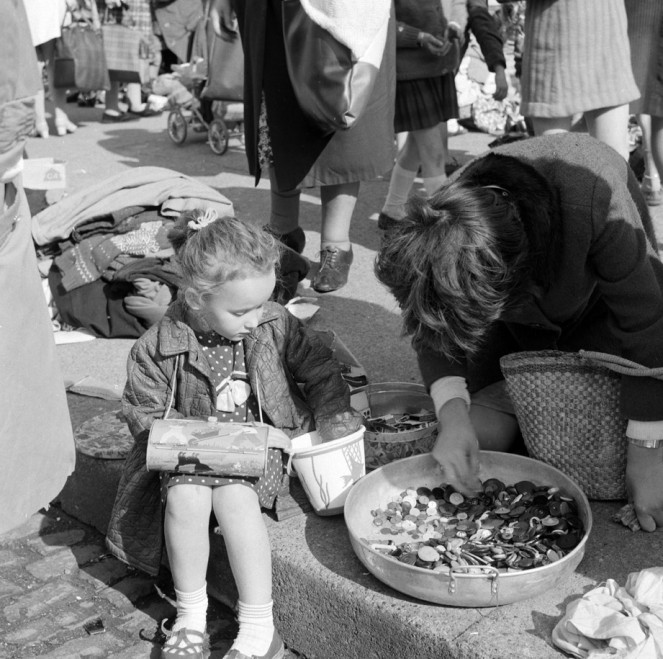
[256,628]
[191,609]
[399,190]
[432,183]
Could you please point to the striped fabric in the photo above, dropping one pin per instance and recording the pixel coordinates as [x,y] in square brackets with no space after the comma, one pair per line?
[645,31]
[576,57]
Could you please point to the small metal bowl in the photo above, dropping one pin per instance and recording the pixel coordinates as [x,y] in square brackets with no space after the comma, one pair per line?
[397,398]
[457,588]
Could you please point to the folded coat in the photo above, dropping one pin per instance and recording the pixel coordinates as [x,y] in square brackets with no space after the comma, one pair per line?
[141,186]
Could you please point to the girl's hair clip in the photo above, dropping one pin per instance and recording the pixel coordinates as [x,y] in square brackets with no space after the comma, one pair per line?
[209,216]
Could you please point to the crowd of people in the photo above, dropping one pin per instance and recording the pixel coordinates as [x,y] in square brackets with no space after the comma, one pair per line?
[544,243]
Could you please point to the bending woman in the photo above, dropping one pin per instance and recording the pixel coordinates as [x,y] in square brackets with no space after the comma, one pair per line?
[543,244]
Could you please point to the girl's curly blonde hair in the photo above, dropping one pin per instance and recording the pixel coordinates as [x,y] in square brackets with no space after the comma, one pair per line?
[210,253]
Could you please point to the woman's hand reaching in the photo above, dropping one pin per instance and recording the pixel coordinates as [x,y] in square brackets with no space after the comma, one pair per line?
[644,480]
[457,448]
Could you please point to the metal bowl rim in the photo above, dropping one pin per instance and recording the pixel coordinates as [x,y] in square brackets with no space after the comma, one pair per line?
[577,550]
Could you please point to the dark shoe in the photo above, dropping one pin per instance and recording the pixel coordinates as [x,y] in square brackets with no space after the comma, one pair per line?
[293,267]
[386,222]
[334,268]
[295,239]
[276,651]
[117,118]
[146,112]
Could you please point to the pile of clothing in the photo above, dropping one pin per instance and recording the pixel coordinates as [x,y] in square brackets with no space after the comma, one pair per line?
[110,268]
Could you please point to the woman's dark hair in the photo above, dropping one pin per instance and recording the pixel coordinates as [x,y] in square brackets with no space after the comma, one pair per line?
[459,258]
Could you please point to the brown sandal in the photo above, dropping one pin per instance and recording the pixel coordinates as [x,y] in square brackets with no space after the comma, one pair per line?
[185,644]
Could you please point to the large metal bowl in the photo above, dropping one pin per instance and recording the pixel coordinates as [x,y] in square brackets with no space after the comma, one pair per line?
[458,588]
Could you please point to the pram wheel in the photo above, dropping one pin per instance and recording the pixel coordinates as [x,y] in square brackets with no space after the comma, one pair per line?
[177,127]
[217,136]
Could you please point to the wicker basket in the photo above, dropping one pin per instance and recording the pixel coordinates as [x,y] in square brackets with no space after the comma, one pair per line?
[568,411]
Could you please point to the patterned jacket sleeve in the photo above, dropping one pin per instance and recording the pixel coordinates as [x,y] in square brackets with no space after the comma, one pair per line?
[148,389]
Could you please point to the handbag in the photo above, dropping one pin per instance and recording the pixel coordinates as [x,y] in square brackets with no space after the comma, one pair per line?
[332,87]
[225,66]
[126,53]
[211,447]
[64,71]
[85,48]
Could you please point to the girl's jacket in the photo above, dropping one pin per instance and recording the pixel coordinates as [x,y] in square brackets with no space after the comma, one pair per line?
[300,387]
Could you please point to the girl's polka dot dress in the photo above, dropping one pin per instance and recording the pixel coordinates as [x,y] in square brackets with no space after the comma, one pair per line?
[226,357]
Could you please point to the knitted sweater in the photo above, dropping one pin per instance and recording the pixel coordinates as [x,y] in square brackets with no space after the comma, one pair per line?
[432,17]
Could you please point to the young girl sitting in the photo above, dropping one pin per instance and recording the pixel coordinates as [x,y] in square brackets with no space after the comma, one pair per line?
[225,347]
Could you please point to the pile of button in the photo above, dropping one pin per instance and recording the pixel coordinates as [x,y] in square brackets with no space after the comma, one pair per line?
[508,527]
[400,422]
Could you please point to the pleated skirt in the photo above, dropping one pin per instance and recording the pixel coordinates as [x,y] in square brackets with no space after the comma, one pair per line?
[576,57]
[425,103]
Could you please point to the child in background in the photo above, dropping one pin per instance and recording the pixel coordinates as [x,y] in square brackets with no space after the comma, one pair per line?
[227,348]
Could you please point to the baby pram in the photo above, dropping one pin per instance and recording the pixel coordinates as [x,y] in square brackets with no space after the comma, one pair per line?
[220,118]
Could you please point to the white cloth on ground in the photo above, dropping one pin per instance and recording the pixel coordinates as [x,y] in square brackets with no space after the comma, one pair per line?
[615,622]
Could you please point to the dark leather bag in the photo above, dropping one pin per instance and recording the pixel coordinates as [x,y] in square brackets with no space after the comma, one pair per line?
[331,86]
[225,65]
[80,62]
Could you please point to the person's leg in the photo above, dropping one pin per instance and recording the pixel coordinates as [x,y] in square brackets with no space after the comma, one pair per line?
[186,531]
[284,215]
[58,95]
[651,184]
[432,146]
[610,125]
[551,125]
[112,113]
[134,95]
[237,511]
[656,142]
[496,431]
[402,177]
[338,203]
[41,125]
[113,98]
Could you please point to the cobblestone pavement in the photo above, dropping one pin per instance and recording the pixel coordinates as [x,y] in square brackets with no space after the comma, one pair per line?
[59,585]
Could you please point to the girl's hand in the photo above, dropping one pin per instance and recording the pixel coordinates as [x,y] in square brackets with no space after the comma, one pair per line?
[501,84]
[644,481]
[433,45]
[222,17]
[457,448]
